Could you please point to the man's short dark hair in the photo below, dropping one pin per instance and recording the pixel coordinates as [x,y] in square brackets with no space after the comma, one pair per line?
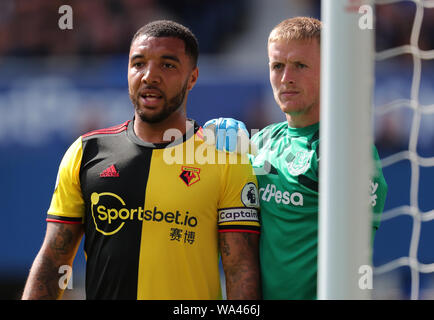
[167,28]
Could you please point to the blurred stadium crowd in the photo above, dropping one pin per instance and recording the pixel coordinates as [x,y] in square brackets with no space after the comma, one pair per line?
[105,27]
[28,28]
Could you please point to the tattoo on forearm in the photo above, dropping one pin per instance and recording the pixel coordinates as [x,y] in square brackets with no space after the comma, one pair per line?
[58,250]
[241,265]
[224,246]
[47,284]
[250,243]
[62,242]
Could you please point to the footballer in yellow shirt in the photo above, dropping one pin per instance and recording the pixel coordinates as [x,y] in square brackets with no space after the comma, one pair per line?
[150,225]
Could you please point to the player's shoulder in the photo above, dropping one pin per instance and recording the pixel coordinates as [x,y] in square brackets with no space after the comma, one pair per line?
[271,131]
[106,131]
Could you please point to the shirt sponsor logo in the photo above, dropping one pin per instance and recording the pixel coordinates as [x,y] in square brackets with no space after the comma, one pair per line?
[270,193]
[238,214]
[109,219]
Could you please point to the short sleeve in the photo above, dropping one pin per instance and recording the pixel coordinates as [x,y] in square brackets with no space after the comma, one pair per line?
[67,204]
[238,209]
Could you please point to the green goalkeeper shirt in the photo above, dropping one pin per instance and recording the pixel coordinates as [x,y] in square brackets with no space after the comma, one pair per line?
[287,165]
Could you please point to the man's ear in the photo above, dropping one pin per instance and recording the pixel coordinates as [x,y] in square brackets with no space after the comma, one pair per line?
[193,78]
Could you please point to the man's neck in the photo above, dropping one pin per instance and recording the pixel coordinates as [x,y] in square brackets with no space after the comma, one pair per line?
[300,124]
[154,132]
[302,120]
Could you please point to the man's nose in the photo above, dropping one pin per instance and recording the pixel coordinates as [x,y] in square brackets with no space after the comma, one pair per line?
[151,74]
[288,76]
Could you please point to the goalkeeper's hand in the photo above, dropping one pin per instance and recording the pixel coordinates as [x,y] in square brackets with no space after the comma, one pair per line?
[229,134]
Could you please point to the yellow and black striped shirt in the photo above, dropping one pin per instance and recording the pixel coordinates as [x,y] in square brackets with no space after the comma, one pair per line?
[152,212]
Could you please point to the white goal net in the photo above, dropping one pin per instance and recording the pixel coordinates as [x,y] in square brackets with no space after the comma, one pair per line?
[416,113]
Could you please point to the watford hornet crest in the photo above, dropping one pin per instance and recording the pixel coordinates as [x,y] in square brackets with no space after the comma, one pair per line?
[189,175]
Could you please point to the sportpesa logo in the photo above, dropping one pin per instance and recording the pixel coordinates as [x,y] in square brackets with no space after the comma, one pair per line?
[272,193]
[109,220]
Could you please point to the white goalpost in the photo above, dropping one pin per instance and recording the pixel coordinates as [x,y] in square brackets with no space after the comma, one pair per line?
[347,62]
[347,79]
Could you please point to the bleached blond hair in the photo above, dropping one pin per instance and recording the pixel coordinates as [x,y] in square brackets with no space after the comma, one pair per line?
[298,28]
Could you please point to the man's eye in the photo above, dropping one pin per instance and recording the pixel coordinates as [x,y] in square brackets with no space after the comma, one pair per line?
[300,65]
[277,66]
[169,66]
[137,64]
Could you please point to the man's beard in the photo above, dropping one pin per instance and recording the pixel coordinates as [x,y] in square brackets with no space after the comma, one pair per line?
[169,107]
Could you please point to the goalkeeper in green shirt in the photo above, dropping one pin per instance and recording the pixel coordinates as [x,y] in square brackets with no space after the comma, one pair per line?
[287,163]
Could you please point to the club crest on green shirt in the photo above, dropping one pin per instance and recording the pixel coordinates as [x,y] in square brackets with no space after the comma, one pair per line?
[300,163]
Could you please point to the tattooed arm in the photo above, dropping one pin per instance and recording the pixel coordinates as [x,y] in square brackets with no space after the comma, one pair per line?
[59,248]
[240,259]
